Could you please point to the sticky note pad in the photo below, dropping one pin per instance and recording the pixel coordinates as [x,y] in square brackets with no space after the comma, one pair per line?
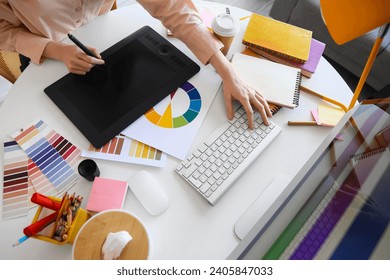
[328,115]
[106,194]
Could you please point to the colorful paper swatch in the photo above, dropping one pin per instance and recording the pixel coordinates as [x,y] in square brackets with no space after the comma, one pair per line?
[15,190]
[124,149]
[51,160]
[38,159]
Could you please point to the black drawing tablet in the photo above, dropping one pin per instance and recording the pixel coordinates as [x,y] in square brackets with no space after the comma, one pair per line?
[139,71]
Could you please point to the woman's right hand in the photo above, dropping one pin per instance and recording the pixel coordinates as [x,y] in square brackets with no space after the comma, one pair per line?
[77,61]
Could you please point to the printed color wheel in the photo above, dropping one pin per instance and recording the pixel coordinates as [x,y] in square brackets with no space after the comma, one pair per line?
[167,120]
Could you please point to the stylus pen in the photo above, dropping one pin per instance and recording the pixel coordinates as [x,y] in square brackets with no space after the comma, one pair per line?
[81,46]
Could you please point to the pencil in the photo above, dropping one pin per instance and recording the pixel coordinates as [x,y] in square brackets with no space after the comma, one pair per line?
[20,241]
[323,97]
[302,123]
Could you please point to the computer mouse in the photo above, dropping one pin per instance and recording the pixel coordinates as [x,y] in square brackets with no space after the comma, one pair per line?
[148,192]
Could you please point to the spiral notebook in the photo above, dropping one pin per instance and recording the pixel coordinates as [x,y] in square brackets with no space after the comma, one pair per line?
[370,164]
[279,84]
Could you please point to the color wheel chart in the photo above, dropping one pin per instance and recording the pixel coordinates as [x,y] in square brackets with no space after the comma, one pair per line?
[172,125]
[124,149]
[168,118]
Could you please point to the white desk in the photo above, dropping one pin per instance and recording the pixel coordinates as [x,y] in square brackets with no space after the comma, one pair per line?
[190,228]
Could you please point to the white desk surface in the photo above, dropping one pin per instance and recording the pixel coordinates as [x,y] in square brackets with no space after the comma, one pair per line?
[190,228]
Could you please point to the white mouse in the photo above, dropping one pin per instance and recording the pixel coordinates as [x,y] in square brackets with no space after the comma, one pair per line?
[148,192]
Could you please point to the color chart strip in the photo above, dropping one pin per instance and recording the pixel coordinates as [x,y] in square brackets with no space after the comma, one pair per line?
[15,189]
[39,181]
[124,149]
[66,149]
[47,158]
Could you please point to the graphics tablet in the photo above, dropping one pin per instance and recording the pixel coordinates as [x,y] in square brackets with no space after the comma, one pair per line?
[139,71]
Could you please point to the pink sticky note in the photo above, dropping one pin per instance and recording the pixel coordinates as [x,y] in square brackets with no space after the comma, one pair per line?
[106,194]
[314,113]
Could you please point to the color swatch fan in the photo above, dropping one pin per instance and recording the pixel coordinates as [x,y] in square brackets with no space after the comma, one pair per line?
[37,159]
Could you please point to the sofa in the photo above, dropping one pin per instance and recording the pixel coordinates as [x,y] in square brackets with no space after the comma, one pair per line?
[353,55]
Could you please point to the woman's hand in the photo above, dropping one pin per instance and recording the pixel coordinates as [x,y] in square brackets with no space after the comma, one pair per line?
[77,61]
[235,88]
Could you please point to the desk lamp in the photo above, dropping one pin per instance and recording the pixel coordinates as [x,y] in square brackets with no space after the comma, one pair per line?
[349,19]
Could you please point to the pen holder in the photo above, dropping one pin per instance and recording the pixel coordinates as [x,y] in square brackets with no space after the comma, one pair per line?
[80,218]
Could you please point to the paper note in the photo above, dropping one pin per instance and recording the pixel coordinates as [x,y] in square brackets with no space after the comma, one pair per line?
[106,194]
[329,116]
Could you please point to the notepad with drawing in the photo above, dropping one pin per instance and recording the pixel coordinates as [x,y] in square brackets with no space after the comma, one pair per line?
[278,83]
[106,194]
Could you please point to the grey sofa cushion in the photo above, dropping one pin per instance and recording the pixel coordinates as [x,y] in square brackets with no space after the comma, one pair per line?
[352,55]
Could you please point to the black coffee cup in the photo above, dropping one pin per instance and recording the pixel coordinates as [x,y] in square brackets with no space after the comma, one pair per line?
[89,169]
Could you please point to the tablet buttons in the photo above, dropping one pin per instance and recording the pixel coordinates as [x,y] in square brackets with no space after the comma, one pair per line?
[164,50]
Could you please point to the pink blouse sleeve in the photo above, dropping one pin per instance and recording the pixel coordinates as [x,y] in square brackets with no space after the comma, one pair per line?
[14,36]
[183,20]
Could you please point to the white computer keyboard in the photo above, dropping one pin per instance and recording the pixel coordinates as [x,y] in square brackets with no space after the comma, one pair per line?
[214,165]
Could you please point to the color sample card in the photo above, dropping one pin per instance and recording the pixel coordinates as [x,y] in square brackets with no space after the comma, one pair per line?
[15,190]
[172,124]
[124,149]
[39,181]
[51,160]
[38,159]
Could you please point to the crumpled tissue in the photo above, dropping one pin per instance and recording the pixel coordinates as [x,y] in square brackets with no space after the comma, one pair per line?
[114,244]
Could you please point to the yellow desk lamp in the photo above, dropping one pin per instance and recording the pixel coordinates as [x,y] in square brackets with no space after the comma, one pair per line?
[349,19]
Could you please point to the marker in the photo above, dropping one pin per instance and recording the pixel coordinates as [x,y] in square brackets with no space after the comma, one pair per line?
[81,46]
[36,227]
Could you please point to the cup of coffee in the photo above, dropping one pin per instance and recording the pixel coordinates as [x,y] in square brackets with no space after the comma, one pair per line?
[88,169]
[225,27]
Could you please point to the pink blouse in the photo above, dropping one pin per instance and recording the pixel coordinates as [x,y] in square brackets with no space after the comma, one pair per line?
[27,26]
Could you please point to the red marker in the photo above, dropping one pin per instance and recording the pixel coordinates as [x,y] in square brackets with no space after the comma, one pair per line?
[46,202]
[40,225]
